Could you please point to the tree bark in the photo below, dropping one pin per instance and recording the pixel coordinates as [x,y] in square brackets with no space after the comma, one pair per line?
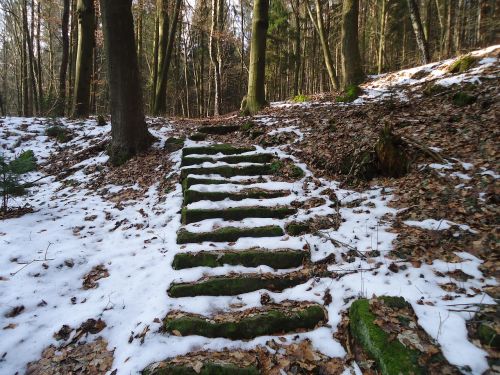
[351,60]
[128,129]
[416,23]
[64,59]
[215,52]
[256,95]
[381,44]
[86,41]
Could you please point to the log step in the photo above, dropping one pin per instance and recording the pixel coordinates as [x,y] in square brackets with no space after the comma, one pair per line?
[231,159]
[230,171]
[271,320]
[216,149]
[236,213]
[190,181]
[237,284]
[277,259]
[228,234]
[191,196]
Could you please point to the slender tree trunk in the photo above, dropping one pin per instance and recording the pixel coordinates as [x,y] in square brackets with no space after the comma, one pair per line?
[215,36]
[256,95]
[351,61]
[64,59]
[296,75]
[418,30]
[128,129]
[31,59]
[320,28]
[381,45]
[86,41]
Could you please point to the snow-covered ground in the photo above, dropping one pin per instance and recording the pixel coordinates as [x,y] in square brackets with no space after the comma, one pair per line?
[45,255]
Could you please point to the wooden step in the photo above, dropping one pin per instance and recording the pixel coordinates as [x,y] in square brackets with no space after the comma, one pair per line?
[191,196]
[245,325]
[236,213]
[231,159]
[225,149]
[229,171]
[190,181]
[238,284]
[228,234]
[277,259]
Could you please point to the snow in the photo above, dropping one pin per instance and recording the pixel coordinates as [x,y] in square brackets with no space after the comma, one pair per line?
[138,254]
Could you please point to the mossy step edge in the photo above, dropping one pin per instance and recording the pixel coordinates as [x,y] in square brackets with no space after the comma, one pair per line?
[208,368]
[229,171]
[228,234]
[225,149]
[231,159]
[191,196]
[236,213]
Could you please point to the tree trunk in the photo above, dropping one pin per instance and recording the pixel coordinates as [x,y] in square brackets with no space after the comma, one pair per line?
[86,40]
[256,95]
[419,31]
[64,60]
[381,44]
[320,29]
[128,128]
[351,60]
[215,52]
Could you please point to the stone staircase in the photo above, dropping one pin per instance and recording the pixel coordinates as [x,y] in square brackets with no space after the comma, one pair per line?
[229,183]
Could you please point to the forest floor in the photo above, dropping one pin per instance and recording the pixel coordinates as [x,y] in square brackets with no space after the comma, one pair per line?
[86,258]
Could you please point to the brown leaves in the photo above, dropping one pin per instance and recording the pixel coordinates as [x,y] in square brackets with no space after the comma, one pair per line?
[15,311]
[97,273]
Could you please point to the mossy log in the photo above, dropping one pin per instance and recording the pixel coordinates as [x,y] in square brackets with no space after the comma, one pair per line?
[229,171]
[277,259]
[190,181]
[198,137]
[234,285]
[230,159]
[174,144]
[236,213]
[207,369]
[391,356]
[228,234]
[191,196]
[266,323]
[297,228]
[219,129]
[216,149]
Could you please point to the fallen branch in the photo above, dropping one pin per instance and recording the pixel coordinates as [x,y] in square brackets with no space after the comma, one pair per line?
[426,150]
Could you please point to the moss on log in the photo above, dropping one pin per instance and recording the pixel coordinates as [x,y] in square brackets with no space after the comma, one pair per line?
[236,213]
[216,149]
[391,356]
[230,159]
[229,171]
[267,323]
[233,285]
[277,259]
[174,144]
[297,228]
[190,181]
[191,196]
[228,234]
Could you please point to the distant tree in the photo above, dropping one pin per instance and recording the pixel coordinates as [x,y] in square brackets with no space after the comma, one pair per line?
[351,60]
[2,106]
[128,128]
[418,29]
[64,59]
[256,96]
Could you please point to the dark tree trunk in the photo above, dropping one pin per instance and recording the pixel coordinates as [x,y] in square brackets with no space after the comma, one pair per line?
[418,30]
[351,60]
[86,41]
[128,128]
[64,59]
[256,96]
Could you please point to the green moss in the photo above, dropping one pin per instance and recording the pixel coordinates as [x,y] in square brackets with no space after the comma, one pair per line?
[198,137]
[236,213]
[276,166]
[462,64]
[267,323]
[247,126]
[351,93]
[215,149]
[301,98]
[60,133]
[219,129]
[488,336]
[297,229]
[228,234]
[392,357]
[174,144]
[207,369]
[249,258]
[231,159]
[191,196]
[462,99]
[231,286]
[395,302]
[190,181]
[229,171]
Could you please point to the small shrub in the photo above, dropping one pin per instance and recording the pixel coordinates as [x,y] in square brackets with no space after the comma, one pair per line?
[462,99]
[301,98]
[60,133]
[247,126]
[351,93]
[462,64]
[11,183]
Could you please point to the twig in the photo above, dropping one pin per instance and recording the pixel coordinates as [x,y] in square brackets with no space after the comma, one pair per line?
[45,259]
